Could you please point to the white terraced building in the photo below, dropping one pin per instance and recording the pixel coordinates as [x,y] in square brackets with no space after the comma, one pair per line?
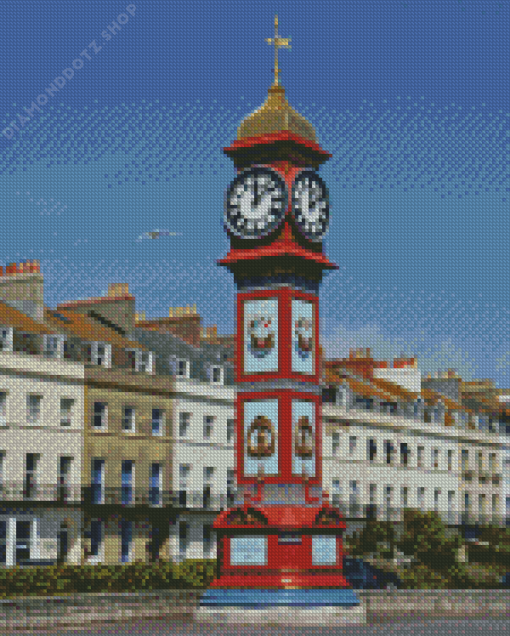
[390,439]
[41,433]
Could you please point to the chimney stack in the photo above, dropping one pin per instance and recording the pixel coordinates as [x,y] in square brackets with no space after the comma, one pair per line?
[22,287]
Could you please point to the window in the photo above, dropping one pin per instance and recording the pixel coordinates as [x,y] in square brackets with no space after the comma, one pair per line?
[335,443]
[389,448]
[184,420]
[353,497]
[100,418]
[127,478]
[248,550]
[329,395]
[388,407]
[97,481]
[184,471]
[364,403]
[207,489]
[128,419]
[450,459]
[6,338]
[216,375]
[182,369]
[324,550]
[352,444]
[64,473]
[96,537]
[389,497]
[31,464]
[207,530]
[183,538]
[437,492]
[403,496]
[2,458]
[435,458]
[140,360]
[155,485]
[50,346]
[451,512]
[99,353]
[421,498]
[208,426]
[66,411]
[126,540]
[404,454]
[465,459]
[33,408]
[420,456]
[480,461]
[158,421]
[337,492]
[3,409]
[492,462]
[230,486]
[371,449]
[230,430]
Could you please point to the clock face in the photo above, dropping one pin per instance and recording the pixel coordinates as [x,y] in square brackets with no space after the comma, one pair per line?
[310,205]
[255,203]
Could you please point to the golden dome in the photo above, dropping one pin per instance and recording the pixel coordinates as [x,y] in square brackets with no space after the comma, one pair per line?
[275,115]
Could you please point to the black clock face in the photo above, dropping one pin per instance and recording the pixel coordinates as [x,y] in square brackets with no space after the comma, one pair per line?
[255,203]
[310,205]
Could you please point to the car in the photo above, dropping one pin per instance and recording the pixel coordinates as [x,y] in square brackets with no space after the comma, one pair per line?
[505,580]
[362,575]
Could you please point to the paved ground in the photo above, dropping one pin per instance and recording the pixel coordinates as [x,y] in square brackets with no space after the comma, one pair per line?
[441,627]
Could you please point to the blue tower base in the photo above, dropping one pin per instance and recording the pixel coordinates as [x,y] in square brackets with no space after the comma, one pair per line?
[260,598]
[330,607]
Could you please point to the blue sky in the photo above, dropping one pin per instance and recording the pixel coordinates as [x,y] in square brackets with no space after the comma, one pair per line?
[411,98]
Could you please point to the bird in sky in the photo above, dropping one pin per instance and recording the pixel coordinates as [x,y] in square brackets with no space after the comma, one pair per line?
[156,234]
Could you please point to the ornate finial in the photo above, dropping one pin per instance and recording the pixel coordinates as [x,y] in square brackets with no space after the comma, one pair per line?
[278,43]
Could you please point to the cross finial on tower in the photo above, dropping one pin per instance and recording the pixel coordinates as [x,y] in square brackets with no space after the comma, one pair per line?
[278,43]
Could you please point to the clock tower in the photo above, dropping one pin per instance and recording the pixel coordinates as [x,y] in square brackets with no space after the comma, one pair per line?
[281,548]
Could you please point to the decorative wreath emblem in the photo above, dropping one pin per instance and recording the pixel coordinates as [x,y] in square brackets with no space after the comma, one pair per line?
[303,332]
[303,438]
[261,336]
[261,437]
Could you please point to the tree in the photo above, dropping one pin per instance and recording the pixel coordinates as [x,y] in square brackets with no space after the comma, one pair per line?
[424,537]
[373,533]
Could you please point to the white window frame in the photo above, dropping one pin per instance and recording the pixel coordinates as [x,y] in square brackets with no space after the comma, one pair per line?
[208,425]
[160,482]
[184,430]
[107,359]
[184,375]
[66,416]
[30,418]
[132,419]
[98,558]
[104,418]
[221,370]
[3,408]
[162,422]
[143,365]
[58,350]
[231,429]
[6,340]
[335,442]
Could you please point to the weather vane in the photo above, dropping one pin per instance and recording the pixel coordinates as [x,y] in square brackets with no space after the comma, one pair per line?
[278,43]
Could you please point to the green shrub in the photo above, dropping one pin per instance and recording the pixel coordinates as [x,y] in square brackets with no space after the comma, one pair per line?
[130,577]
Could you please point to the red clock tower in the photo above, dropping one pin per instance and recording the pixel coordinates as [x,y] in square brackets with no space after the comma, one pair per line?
[280,548]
